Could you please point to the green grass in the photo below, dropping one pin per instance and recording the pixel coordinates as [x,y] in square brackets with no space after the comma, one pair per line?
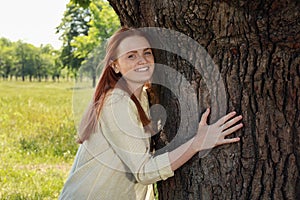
[37,138]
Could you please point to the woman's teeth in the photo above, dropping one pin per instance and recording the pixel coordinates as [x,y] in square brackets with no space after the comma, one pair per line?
[142,69]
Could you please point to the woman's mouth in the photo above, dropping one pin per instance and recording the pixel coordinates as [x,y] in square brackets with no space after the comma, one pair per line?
[142,69]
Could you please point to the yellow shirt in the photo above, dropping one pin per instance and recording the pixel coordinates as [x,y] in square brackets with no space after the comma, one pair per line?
[115,162]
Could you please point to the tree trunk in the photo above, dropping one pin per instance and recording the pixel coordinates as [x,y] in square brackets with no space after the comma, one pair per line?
[94,81]
[256,47]
[23,71]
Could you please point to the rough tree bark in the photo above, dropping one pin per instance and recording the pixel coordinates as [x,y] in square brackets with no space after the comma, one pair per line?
[256,46]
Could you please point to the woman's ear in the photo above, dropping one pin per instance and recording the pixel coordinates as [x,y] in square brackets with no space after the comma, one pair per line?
[115,67]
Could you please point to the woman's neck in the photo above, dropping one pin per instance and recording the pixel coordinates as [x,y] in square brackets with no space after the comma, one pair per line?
[136,89]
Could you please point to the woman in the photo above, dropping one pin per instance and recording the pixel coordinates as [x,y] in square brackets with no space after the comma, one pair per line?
[114,159]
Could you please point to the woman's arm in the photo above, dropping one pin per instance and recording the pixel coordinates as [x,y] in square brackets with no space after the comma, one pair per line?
[207,137]
[123,130]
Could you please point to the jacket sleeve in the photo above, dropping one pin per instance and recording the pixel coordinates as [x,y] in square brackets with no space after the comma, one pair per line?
[120,125]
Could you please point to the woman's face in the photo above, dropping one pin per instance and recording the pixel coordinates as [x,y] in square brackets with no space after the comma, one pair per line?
[135,60]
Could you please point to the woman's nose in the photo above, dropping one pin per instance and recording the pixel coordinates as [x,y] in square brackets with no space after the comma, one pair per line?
[142,60]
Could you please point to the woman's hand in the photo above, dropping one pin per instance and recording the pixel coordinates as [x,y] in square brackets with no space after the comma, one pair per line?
[210,136]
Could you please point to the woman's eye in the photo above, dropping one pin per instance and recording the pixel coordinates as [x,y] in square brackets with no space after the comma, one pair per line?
[148,53]
[131,56]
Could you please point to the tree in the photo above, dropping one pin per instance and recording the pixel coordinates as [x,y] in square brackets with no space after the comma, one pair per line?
[255,45]
[74,24]
[104,22]
[46,64]
[6,58]
[24,60]
[56,67]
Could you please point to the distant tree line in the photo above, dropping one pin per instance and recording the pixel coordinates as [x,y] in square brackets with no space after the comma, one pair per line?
[20,60]
[83,30]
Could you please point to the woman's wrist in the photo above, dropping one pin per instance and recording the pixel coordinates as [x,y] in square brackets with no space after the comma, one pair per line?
[195,145]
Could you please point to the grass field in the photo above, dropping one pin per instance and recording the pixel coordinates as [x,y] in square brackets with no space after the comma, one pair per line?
[37,138]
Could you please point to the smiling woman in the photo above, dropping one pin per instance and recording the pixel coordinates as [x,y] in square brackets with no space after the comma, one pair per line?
[135,62]
[114,160]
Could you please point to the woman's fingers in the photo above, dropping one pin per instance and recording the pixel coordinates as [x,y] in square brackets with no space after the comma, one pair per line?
[204,117]
[231,140]
[232,129]
[224,119]
[231,122]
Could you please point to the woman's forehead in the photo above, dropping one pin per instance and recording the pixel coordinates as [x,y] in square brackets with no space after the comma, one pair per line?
[132,43]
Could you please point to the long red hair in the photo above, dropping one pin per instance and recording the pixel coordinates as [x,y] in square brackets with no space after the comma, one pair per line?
[108,81]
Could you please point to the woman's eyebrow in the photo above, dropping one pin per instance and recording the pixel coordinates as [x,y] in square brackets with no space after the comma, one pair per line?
[135,51]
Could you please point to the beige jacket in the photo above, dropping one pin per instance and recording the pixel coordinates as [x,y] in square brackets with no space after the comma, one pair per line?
[116,163]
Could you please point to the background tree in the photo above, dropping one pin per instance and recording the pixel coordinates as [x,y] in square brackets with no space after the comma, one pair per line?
[6,58]
[24,60]
[74,23]
[30,62]
[255,45]
[104,22]
[55,71]
[47,65]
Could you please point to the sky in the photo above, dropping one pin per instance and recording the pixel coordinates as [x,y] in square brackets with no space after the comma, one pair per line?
[32,21]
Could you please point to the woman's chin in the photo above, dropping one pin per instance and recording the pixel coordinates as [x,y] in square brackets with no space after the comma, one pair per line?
[143,78]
